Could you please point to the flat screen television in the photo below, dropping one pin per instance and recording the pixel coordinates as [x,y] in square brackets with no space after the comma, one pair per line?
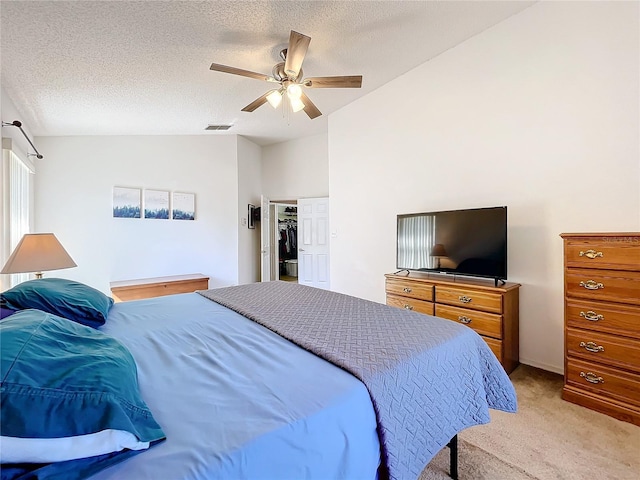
[471,242]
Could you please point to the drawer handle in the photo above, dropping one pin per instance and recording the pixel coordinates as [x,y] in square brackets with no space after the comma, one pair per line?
[591,254]
[591,316]
[464,299]
[408,307]
[407,290]
[591,377]
[591,285]
[592,347]
[465,320]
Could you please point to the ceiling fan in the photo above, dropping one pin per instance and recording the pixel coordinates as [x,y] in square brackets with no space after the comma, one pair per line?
[289,77]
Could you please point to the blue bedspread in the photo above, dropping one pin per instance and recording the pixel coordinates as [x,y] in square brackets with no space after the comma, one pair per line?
[237,401]
[428,378]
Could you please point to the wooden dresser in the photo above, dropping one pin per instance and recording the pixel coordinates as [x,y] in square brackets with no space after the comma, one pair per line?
[491,311]
[125,290]
[602,323]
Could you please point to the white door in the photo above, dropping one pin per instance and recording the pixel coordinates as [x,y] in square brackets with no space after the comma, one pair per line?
[313,242]
[275,239]
[265,240]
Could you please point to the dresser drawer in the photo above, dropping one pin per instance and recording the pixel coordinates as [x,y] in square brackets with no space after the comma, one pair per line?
[603,317]
[495,346]
[484,323]
[474,299]
[407,288]
[607,285]
[617,384]
[601,347]
[410,304]
[614,252]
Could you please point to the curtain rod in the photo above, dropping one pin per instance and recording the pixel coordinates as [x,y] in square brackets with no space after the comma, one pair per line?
[17,123]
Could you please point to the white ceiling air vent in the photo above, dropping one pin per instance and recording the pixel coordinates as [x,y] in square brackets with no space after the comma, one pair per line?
[218,127]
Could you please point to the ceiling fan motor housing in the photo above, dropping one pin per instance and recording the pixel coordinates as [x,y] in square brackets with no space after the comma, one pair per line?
[280,75]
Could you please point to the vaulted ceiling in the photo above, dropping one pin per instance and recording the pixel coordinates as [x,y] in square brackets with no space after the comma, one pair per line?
[142,67]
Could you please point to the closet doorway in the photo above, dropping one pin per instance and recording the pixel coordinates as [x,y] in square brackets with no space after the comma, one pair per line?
[286,242]
[307,260]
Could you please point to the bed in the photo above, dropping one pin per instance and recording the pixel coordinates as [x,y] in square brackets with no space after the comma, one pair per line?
[283,381]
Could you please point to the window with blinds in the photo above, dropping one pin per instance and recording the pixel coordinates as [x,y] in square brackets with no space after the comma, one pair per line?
[16,208]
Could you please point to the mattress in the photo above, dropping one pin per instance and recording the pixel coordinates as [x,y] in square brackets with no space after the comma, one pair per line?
[236,400]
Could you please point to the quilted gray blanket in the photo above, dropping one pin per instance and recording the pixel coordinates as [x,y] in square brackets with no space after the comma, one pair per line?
[428,378]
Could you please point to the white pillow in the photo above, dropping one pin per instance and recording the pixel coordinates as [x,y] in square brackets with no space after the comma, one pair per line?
[46,450]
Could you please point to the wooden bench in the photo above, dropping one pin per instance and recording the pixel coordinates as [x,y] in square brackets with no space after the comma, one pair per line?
[137,289]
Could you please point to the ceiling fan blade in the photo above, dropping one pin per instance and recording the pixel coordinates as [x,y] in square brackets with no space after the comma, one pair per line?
[239,71]
[256,103]
[298,45]
[309,108]
[353,81]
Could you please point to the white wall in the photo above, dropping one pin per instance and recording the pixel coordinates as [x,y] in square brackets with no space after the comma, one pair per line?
[296,169]
[539,113]
[249,190]
[74,186]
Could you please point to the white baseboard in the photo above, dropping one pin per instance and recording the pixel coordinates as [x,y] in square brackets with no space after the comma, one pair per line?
[543,366]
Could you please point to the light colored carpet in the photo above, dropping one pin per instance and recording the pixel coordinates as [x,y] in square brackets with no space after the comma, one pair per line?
[473,464]
[548,439]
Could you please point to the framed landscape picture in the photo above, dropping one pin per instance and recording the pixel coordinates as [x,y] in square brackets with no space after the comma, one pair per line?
[184,206]
[126,202]
[156,204]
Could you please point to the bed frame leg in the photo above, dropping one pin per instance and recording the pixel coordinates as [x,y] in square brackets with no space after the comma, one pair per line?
[453,457]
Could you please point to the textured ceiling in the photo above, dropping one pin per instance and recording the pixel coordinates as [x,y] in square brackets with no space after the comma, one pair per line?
[142,67]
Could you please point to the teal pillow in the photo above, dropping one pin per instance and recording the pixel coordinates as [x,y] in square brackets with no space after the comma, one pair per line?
[65,298]
[61,379]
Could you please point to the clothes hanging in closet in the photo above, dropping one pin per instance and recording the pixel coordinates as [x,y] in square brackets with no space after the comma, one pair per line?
[288,242]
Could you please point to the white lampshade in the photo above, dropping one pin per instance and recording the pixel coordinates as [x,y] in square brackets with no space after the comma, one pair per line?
[296,104]
[274,98]
[38,252]
[294,91]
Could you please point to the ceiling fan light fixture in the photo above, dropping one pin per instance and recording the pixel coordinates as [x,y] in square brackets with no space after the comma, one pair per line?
[294,90]
[296,104]
[274,98]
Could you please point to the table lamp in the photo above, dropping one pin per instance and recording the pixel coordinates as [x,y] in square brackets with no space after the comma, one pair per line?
[38,252]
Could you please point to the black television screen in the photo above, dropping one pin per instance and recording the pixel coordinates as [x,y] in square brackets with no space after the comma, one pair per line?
[462,242]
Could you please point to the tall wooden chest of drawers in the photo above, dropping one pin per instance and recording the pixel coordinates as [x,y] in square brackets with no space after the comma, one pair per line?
[492,311]
[602,323]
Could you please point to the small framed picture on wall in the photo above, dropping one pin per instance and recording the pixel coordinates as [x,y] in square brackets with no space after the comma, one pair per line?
[156,204]
[126,202]
[184,206]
